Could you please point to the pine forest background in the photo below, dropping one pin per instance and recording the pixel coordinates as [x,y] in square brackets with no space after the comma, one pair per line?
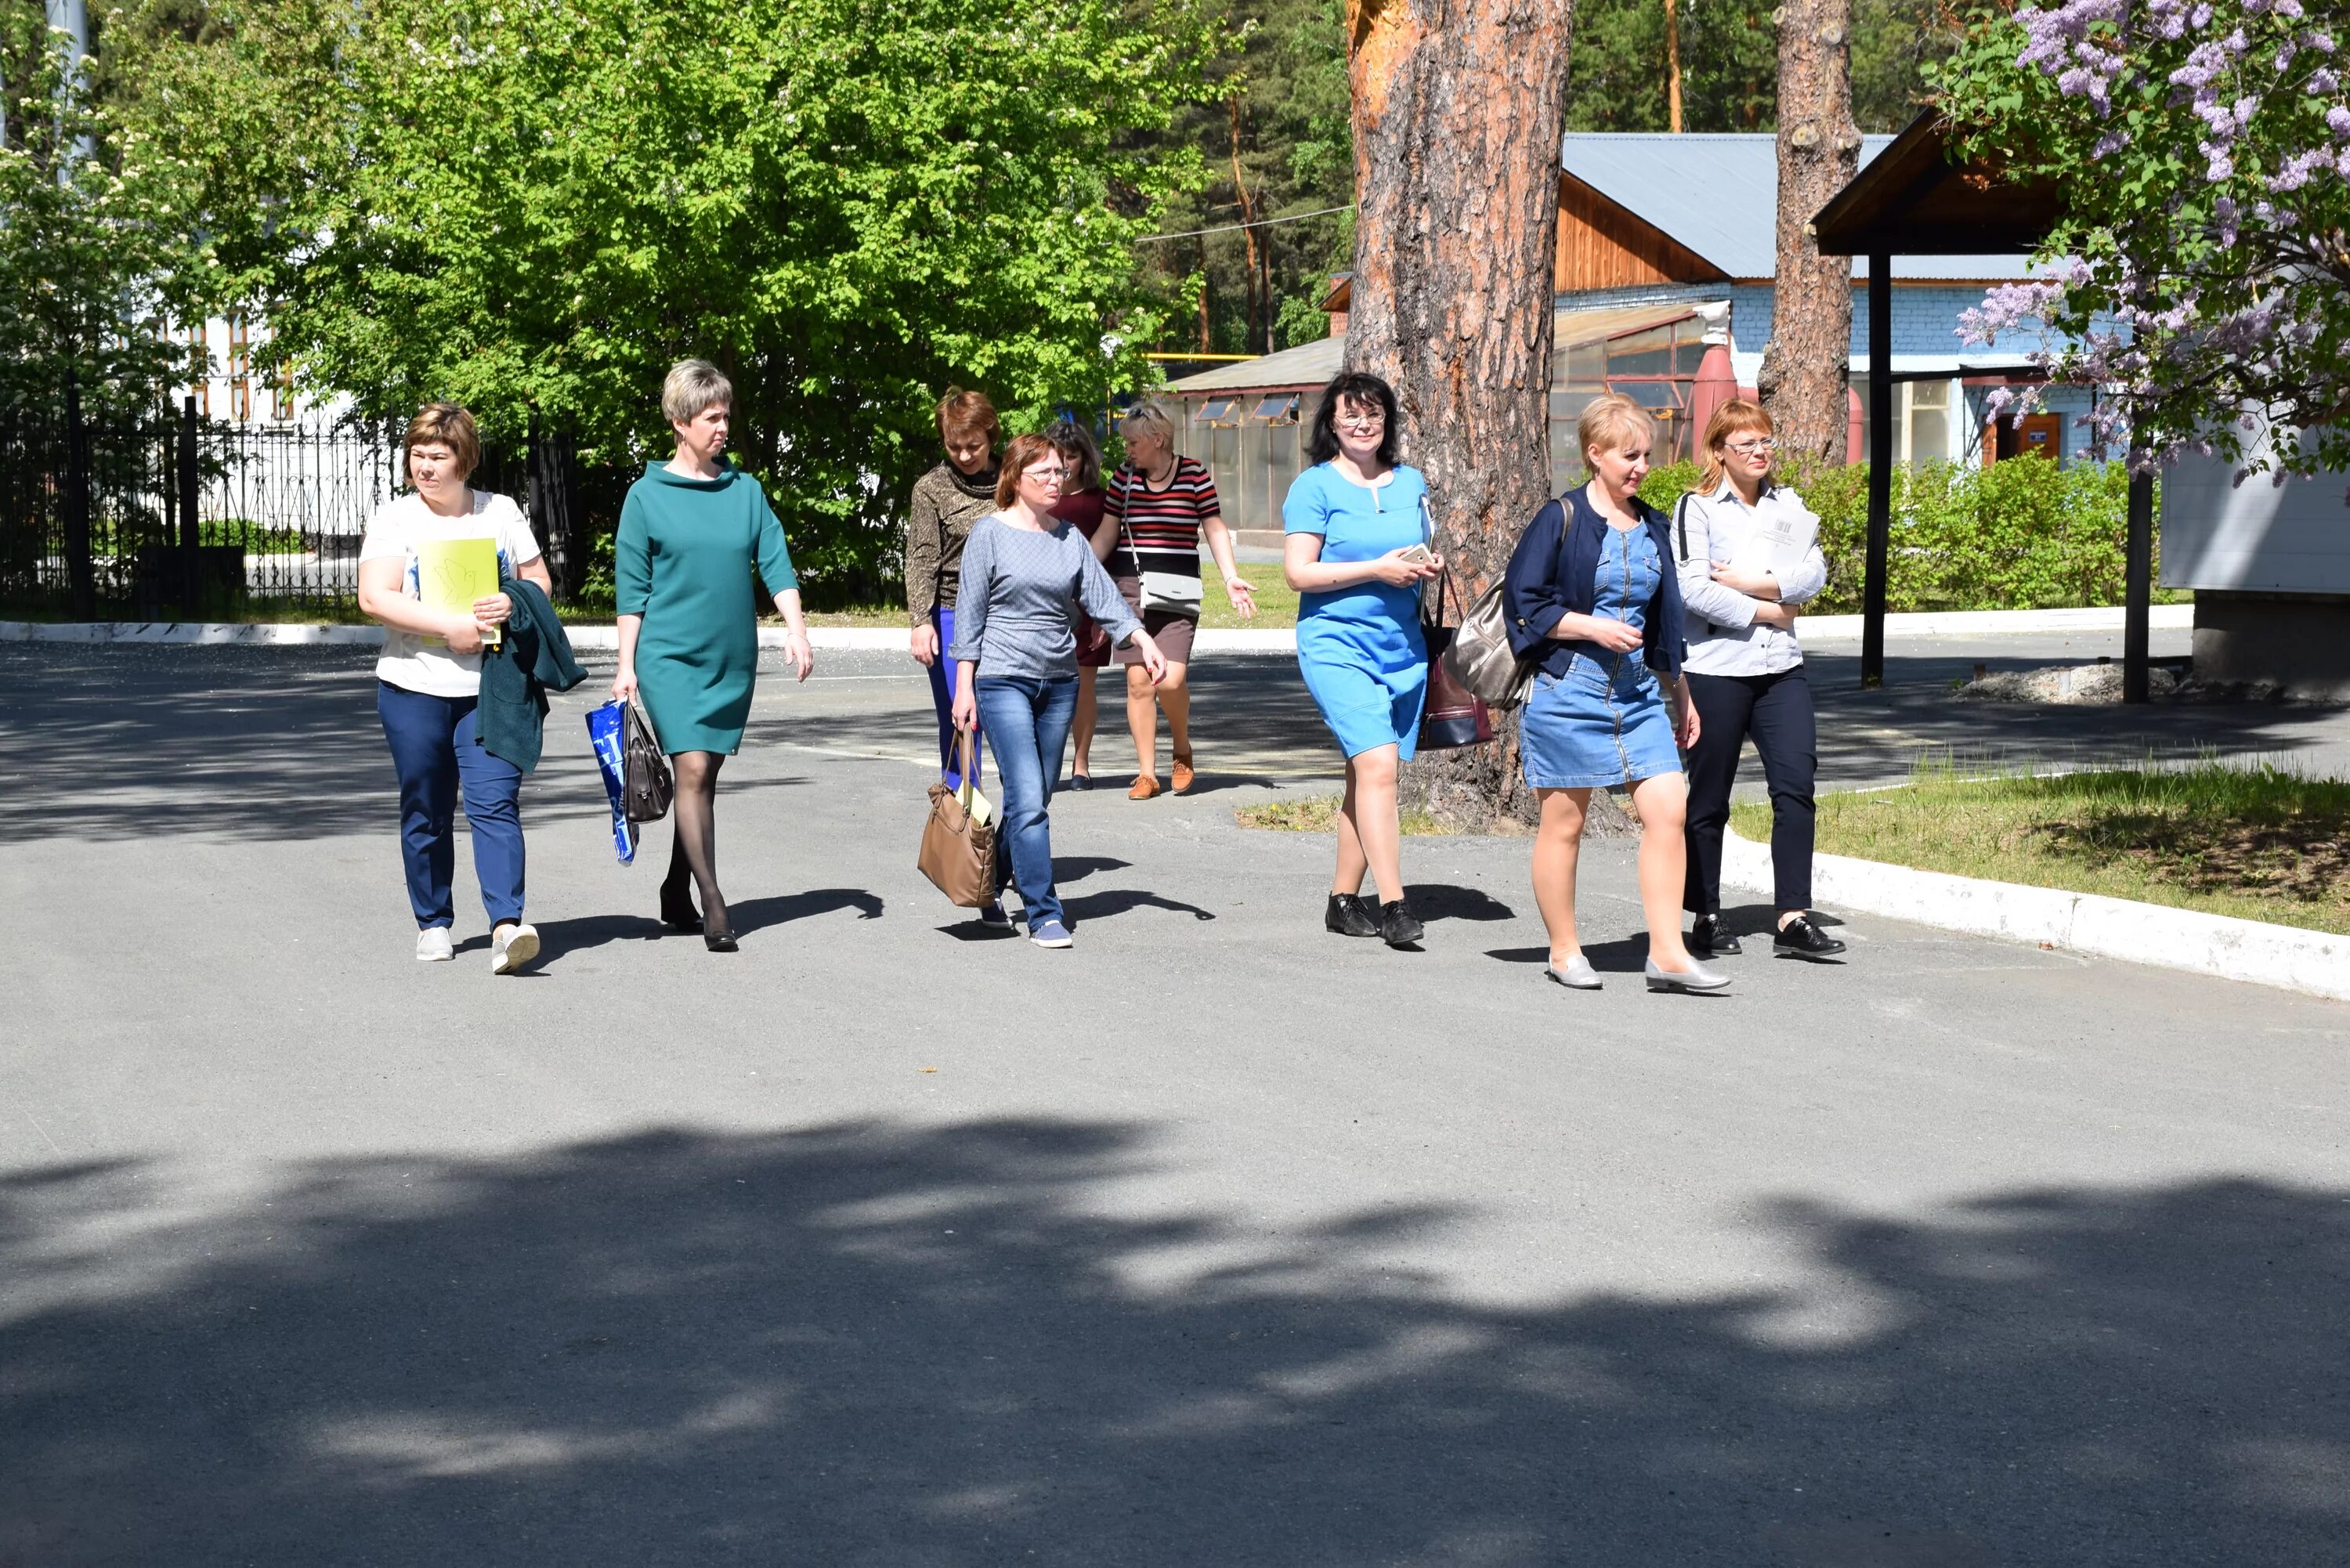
[1276,140]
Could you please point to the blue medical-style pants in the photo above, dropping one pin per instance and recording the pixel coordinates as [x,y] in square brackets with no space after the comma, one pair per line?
[942,696]
[435,753]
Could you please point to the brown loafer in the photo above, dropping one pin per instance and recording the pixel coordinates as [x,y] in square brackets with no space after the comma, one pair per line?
[1182,775]
[1145,787]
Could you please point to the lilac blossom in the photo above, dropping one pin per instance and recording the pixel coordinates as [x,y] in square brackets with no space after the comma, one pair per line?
[2189,292]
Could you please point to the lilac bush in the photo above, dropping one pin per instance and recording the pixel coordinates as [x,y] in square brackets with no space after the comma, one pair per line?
[2202,265]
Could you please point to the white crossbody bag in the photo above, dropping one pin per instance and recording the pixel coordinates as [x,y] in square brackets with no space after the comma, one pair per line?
[1172,591]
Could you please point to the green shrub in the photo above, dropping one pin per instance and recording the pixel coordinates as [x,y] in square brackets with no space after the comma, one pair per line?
[2022,534]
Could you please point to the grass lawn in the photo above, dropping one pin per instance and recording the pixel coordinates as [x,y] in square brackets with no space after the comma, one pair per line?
[1319,814]
[2257,843]
[1276,601]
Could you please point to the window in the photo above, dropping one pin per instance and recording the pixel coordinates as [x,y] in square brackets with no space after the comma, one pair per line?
[1217,411]
[1929,421]
[240,369]
[281,387]
[1278,408]
[200,370]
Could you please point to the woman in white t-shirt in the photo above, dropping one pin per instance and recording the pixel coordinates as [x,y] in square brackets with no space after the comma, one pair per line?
[430,678]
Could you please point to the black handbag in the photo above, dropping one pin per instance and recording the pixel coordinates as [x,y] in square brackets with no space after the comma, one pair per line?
[646,784]
[1450,715]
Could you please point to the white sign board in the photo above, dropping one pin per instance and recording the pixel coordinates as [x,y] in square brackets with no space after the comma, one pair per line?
[2258,538]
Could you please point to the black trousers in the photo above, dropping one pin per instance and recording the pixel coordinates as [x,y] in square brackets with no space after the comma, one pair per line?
[1776,709]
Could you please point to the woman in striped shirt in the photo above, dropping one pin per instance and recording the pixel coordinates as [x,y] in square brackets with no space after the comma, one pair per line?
[1155,507]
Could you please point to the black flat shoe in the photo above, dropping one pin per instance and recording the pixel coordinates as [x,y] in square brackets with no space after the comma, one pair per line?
[1397,927]
[1708,940]
[719,941]
[1347,916]
[677,913]
[1080,782]
[1801,939]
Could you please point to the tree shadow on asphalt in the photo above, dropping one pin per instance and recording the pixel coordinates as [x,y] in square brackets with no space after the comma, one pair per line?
[1882,734]
[242,743]
[882,1344]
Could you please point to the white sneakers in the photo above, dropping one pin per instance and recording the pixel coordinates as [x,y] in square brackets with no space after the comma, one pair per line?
[511,946]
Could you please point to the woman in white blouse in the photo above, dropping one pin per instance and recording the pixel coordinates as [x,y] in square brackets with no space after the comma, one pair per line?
[1748,554]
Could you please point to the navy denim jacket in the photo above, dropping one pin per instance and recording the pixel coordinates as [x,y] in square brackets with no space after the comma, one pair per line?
[1555,569]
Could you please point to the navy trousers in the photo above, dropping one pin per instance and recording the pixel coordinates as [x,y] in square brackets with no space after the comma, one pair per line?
[436,754]
[1776,709]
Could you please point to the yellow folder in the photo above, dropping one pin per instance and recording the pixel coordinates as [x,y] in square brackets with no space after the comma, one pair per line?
[451,574]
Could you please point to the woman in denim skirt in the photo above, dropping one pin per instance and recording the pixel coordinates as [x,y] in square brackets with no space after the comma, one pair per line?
[1591,593]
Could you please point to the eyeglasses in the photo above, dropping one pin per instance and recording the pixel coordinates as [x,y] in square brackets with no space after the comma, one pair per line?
[1375,420]
[1750,448]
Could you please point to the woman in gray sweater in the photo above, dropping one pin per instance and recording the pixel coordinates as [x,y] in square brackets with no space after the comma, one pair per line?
[1025,575]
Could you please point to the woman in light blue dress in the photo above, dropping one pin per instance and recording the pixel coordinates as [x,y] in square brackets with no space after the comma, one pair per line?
[1592,596]
[1356,551]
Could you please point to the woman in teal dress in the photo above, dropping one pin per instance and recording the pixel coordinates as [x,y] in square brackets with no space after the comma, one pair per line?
[691,531]
[1350,522]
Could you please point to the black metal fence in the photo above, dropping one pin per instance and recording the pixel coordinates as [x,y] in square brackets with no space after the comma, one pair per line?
[172,517]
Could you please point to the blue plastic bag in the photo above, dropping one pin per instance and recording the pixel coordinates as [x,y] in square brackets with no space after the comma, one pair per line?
[604,734]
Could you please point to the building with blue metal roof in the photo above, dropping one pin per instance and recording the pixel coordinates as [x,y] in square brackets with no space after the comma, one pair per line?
[1666,248]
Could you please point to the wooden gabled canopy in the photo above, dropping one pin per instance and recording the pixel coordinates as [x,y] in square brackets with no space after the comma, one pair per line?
[1911,199]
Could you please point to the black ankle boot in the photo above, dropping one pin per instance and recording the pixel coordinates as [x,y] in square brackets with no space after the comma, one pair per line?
[1397,927]
[1347,916]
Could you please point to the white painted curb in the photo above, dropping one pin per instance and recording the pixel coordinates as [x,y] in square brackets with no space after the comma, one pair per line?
[1992,623]
[251,633]
[2315,962]
[292,634]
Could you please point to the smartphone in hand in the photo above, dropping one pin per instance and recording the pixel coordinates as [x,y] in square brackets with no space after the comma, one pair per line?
[1417,553]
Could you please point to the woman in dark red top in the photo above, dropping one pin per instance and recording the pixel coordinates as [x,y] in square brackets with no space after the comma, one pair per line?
[1081,507]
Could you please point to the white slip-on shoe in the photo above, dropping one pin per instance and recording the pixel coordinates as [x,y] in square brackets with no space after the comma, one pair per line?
[1696,978]
[1578,974]
[511,946]
[434,945]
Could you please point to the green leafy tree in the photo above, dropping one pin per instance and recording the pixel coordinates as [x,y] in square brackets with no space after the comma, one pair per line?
[1730,63]
[1275,141]
[95,239]
[2201,149]
[535,207]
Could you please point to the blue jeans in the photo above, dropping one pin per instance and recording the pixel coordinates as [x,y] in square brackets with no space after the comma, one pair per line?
[942,696]
[434,751]
[1027,722]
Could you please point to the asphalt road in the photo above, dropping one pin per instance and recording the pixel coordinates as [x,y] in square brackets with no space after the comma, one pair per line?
[1214,1241]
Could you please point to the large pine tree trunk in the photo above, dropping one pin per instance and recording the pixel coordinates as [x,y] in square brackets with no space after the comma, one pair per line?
[1807,366]
[1457,113]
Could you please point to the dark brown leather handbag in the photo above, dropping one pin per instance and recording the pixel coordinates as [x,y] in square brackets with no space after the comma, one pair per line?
[646,784]
[958,854]
[1450,715]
